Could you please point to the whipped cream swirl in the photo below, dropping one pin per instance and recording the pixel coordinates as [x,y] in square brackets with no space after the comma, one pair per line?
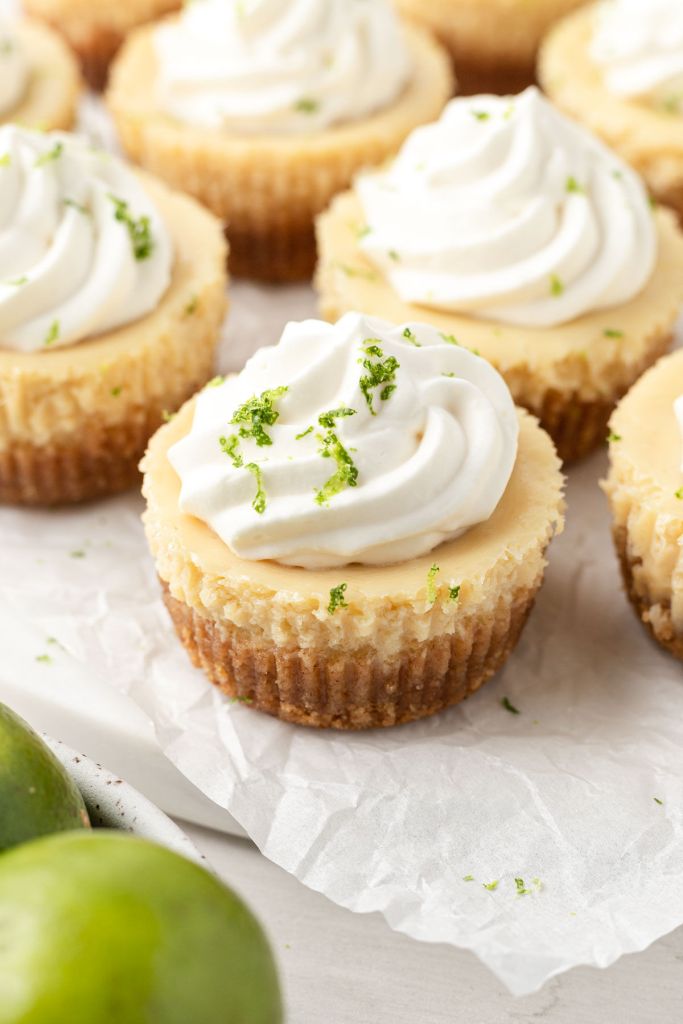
[280,66]
[14,70]
[506,210]
[381,442]
[639,46]
[82,248]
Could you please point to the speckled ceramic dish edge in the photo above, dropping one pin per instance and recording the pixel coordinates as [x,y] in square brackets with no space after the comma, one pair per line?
[112,803]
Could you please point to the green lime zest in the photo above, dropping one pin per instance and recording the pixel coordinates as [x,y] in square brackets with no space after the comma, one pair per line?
[346,474]
[258,413]
[431,583]
[556,286]
[52,154]
[259,502]
[337,598]
[573,185]
[53,334]
[379,373]
[328,419]
[139,228]
[230,447]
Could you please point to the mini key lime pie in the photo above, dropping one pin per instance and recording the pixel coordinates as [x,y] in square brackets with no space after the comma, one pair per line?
[645,489]
[264,109]
[39,79]
[493,42]
[351,532]
[111,298]
[618,67]
[515,232]
[95,29]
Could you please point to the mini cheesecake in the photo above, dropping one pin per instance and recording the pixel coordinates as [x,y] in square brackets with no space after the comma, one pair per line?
[358,644]
[75,416]
[95,29]
[645,490]
[539,286]
[48,95]
[268,184]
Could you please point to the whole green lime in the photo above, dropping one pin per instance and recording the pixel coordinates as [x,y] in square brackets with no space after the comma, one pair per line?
[37,795]
[104,928]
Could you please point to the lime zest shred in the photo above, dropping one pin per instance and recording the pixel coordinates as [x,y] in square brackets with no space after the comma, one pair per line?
[431,583]
[337,599]
[509,706]
[379,373]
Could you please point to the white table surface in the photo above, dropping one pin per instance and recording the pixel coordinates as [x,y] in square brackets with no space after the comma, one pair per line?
[344,968]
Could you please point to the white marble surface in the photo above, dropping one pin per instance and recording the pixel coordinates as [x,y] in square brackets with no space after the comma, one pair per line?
[344,968]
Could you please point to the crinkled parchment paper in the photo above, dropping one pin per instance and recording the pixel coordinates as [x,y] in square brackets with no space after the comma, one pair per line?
[413,822]
[579,796]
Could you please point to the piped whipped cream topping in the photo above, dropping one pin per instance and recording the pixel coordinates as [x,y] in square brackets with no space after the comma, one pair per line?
[280,66]
[506,210]
[355,442]
[14,70]
[83,249]
[639,46]
[678,410]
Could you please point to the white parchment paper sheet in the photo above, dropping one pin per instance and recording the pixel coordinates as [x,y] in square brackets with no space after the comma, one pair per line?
[564,792]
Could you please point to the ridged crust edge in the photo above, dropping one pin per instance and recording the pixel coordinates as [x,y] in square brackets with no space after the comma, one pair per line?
[579,426]
[268,190]
[104,462]
[471,29]
[655,615]
[359,688]
[647,511]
